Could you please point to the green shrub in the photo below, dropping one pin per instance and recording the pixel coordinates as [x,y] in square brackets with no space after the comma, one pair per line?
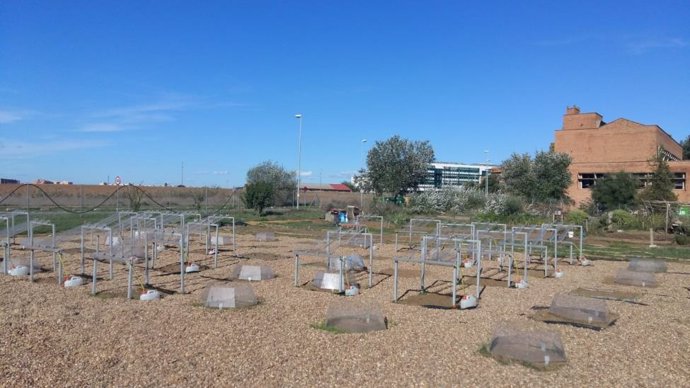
[576,217]
[681,239]
[622,219]
[589,207]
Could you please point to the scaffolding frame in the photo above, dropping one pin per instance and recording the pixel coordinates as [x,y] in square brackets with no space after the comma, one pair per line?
[361,227]
[444,252]
[563,232]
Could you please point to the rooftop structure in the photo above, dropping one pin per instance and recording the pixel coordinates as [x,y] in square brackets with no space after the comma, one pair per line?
[598,148]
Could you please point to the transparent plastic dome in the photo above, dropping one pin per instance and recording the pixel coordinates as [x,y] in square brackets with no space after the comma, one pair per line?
[228,295]
[355,316]
[252,272]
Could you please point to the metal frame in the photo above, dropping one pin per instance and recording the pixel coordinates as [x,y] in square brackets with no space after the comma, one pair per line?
[431,255]
[370,217]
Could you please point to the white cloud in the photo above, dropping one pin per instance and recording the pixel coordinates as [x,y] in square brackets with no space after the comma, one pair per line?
[135,116]
[342,175]
[641,46]
[10,149]
[635,43]
[9,116]
[306,173]
[103,127]
[568,41]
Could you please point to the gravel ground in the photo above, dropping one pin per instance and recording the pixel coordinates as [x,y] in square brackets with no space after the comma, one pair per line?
[53,336]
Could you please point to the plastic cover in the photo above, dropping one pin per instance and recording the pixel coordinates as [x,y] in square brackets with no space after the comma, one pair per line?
[331,280]
[355,316]
[537,348]
[252,272]
[228,296]
[217,241]
[265,236]
[647,265]
[580,308]
[17,262]
[350,263]
[639,279]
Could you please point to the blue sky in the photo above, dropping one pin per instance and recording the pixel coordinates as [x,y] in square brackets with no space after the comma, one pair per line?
[94,89]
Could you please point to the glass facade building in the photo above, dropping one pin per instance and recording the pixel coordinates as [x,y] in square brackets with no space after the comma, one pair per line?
[440,175]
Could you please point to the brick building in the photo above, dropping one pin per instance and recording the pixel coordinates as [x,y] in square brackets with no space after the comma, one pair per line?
[598,148]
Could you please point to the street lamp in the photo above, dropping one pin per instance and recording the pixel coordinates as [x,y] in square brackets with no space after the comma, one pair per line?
[486,190]
[299,154]
[361,188]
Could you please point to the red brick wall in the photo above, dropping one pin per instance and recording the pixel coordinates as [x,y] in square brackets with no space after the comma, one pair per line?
[621,145]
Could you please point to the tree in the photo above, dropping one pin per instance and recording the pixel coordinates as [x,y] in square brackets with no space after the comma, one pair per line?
[518,176]
[258,196]
[283,183]
[494,184]
[543,179]
[552,177]
[362,181]
[686,148]
[397,166]
[615,191]
[660,187]
[135,195]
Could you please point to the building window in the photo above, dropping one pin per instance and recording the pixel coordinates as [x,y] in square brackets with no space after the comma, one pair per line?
[587,180]
[679,180]
[644,179]
[438,177]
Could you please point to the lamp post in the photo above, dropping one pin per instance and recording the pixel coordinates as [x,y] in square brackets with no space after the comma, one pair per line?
[486,190]
[361,188]
[299,154]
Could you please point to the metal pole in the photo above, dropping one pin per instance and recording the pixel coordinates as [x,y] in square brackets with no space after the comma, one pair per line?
[216,249]
[371,259]
[423,264]
[59,273]
[146,259]
[233,234]
[299,155]
[6,246]
[479,266]
[181,264]
[455,282]
[54,248]
[395,280]
[486,173]
[93,280]
[129,279]
[296,270]
[526,259]
[381,233]
[361,189]
[581,241]
[31,264]
[341,286]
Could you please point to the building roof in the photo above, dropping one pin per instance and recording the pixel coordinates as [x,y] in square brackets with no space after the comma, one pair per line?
[643,125]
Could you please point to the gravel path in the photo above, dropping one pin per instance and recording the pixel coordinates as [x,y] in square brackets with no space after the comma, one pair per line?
[53,336]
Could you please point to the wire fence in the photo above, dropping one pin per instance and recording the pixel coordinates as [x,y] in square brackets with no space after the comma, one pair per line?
[81,199]
[85,199]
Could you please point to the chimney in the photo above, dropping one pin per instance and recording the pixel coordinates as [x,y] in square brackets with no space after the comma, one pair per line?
[573,119]
[572,110]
